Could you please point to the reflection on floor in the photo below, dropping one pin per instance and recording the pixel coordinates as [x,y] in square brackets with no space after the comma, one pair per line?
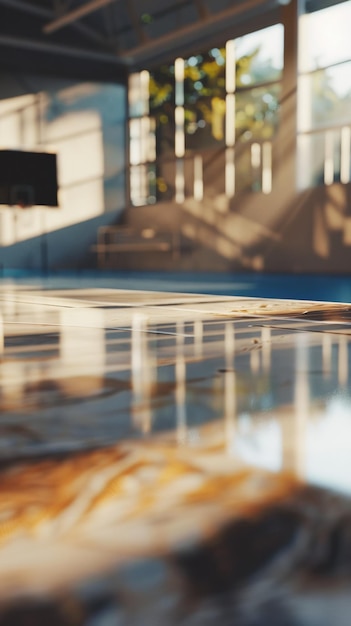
[173,459]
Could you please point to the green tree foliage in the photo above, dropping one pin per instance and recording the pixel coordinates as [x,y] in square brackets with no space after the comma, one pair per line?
[204,94]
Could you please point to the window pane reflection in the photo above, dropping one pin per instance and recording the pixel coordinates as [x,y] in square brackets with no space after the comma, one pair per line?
[204,90]
[138,94]
[165,179]
[324,37]
[324,157]
[143,184]
[205,124]
[162,105]
[253,166]
[142,140]
[327,94]
[260,56]
[257,113]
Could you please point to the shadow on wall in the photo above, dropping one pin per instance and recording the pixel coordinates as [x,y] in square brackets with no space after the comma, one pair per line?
[282,231]
[317,237]
[84,124]
[64,248]
[312,234]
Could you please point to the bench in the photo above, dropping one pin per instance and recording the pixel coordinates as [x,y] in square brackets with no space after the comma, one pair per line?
[114,239]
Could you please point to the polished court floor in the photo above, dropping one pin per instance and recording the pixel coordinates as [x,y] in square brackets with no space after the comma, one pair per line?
[172,458]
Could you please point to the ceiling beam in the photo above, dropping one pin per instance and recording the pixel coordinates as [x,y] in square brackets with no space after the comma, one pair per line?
[27,7]
[76,14]
[63,50]
[211,22]
[46,14]
[201,9]
[61,6]
[134,19]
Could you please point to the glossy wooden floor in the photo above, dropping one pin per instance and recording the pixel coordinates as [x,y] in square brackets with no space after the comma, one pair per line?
[173,459]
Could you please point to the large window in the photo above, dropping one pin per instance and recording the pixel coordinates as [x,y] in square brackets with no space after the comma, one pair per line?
[258,73]
[206,123]
[324,111]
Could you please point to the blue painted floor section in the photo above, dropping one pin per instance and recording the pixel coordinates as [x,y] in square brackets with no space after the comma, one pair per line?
[287,286]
